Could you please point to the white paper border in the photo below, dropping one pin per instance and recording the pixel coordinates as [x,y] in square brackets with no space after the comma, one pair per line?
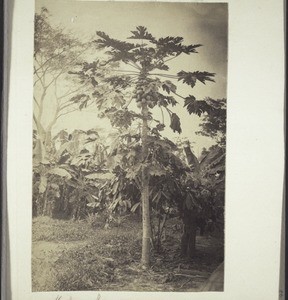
[255,156]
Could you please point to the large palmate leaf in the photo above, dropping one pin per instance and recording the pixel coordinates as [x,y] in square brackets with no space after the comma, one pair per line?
[120,118]
[214,123]
[197,107]
[118,81]
[190,78]
[173,46]
[141,33]
[168,86]
[106,41]
[119,55]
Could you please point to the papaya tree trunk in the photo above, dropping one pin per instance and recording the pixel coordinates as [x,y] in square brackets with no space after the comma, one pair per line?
[146,238]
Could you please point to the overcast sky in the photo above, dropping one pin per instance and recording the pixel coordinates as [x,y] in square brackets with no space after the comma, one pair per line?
[197,23]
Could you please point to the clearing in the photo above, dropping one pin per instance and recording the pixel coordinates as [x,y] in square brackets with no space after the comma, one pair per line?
[75,256]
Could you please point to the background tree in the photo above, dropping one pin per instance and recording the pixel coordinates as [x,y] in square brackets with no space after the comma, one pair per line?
[209,170]
[213,124]
[55,92]
[147,73]
[206,189]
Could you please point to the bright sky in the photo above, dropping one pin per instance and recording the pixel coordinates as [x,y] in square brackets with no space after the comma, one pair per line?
[197,23]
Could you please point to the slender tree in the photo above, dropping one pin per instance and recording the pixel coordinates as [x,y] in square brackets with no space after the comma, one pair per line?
[143,68]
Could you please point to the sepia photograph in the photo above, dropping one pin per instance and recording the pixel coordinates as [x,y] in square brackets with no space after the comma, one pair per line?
[143,150]
[129,146]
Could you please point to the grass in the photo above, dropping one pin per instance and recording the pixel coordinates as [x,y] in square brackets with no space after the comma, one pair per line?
[47,229]
[94,265]
[73,255]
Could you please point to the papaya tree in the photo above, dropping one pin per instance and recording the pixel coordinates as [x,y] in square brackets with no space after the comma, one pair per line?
[144,78]
[166,174]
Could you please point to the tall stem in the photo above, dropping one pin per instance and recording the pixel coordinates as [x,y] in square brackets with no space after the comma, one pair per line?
[146,239]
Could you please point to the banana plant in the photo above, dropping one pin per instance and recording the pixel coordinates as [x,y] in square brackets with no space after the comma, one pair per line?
[70,179]
[204,199]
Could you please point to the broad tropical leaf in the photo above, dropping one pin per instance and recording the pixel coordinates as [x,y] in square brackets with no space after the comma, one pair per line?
[168,86]
[60,172]
[134,207]
[141,33]
[105,176]
[106,41]
[190,78]
[119,81]
[43,184]
[197,107]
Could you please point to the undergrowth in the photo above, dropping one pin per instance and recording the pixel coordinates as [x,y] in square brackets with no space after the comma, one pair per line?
[95,265]
[108,257]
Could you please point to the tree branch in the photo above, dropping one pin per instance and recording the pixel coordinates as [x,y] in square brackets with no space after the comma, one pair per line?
[162,114]
[125,71]
[168,110]
[178,95]
[66,113]
[134,65]
[68,93]
[36,101]
[50,58]
[164,75]
[169,59]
